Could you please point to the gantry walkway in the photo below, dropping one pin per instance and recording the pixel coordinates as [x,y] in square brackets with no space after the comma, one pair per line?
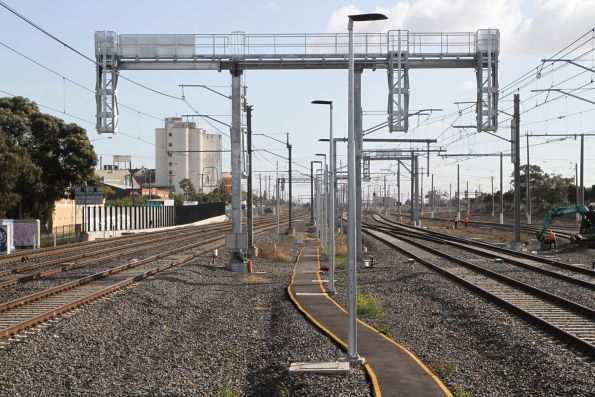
[394,370]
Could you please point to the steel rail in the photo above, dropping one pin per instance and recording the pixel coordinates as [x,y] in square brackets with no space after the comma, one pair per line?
[569,321]
[485,252]
[68,296]
[93,258]
[506,251]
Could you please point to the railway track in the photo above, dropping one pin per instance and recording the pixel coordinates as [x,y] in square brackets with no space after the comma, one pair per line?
[565,231]
[562,271]
[36,308]
[22,272]
[567,320]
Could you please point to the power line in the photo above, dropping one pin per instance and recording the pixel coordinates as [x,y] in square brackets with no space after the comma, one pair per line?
[27,20]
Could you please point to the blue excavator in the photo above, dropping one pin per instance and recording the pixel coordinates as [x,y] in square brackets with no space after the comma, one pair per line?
[586,236]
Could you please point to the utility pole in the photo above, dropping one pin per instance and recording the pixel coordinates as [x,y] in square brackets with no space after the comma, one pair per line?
[577,188]
[449,196]
[528,187]
[399,189]
[467,194]
[290,226]
[260,192]
[412,199]
[433,198]
[421,197]
[277,197]
[417,220]
[582,192]
[501,188]
[493,199]
[249,198]
[312,193]
[516,158]
[458,192]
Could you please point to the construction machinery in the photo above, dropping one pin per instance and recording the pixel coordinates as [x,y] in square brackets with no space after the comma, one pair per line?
[586,234]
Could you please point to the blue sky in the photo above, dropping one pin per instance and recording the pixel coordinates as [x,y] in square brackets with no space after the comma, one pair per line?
[531,30]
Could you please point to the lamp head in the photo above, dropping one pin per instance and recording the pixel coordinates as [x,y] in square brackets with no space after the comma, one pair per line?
[367,17]
[321,102]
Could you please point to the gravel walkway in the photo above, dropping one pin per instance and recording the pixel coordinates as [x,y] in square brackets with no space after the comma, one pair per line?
[469,342]
[196,330]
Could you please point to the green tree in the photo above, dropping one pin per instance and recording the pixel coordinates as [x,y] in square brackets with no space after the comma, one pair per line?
[51,156]
[188,190]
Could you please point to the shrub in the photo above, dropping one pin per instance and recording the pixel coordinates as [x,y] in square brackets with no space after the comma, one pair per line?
[369,305]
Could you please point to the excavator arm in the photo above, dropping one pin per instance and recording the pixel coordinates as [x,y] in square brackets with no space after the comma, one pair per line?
[558,212]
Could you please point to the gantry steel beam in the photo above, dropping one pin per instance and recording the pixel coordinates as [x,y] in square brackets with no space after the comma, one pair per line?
[397,51]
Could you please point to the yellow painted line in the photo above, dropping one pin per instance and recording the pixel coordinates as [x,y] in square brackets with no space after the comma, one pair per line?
[410,353]
[376,387]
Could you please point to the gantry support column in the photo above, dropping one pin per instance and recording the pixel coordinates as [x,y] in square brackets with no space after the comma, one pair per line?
[236,243]
[359,143]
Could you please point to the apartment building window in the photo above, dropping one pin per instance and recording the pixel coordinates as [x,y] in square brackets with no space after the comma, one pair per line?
[169,144]
[169,134]
[170,163]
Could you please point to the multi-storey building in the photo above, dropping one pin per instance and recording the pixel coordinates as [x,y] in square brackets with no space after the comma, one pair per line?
[183,151]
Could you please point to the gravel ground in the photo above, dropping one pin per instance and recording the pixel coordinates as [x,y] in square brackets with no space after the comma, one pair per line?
[473,345]
[576,293]
[17,291]
[196,330]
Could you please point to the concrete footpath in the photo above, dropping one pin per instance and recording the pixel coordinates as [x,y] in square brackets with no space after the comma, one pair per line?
[394,370]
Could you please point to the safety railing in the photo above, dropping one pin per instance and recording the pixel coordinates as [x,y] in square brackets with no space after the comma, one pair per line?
[189,46]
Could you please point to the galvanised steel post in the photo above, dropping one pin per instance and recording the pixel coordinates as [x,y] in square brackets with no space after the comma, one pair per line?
[501,189]
[528,187]
[352,252]
[290,226]
[582,192]
[493,198]
[399,188]
[332,214]
[236,166]
[351,211]
[312,193]
[517,171]
[249,197]
[359,143]
[413,178]
[458,192]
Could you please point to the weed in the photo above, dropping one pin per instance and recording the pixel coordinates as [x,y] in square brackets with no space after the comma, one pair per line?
[262,308]
[200,362]
[228,391]
[283,391]
[442,367]
[369,305]
[383,329]
[278,253]
[252,279]
[460,392]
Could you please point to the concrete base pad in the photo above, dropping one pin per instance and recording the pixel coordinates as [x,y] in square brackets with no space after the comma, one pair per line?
[324,368]
[237,266]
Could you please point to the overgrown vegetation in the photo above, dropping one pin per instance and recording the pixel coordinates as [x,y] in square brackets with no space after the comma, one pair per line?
[369,305]
[460,392]
[189,193]
[228,391]
[275,252]
[443,368]
[283,391]
[383,329]
[254,279]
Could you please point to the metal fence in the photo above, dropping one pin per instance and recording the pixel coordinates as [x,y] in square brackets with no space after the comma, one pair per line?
[60,235]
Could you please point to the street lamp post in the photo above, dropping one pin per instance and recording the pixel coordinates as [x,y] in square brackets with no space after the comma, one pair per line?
[312,191]
[323,207]
[352,229]
[331,199]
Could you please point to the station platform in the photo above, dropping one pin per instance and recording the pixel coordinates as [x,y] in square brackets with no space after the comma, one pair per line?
[394,370]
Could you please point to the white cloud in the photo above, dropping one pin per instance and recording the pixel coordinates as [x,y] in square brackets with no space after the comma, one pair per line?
[551,25]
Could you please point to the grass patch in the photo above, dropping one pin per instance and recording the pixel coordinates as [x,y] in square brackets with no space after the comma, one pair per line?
[369,305]
[283,391]
[228,391]
[443,368]
[262,308]
[274,252]
[383,329]
[253,279]
[460,392]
